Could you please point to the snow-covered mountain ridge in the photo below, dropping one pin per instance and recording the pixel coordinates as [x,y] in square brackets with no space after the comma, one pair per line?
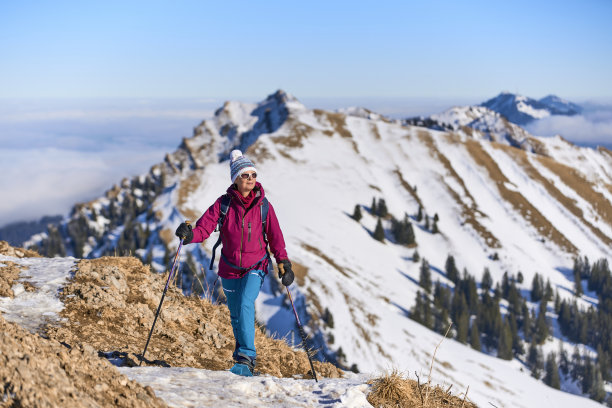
[521,109]
[528,210]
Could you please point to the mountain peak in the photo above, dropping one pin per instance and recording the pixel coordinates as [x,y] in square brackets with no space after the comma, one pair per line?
[281,97]
[522,110]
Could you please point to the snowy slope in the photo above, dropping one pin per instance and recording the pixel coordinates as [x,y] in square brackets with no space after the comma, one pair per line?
[502,208]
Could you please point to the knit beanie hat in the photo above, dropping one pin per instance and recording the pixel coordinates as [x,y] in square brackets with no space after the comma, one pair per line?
[239,164]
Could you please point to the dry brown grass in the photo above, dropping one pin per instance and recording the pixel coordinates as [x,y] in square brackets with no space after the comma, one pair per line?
[338,123]
[538,146]
[111,302]
[258,152]
[520,157]
[298,133]
[471,213]
[375,131]
[407,186]
[516,199]
[396,390]
[585,189]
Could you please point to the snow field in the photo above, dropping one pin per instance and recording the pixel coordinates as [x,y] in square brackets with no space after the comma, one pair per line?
[190,387]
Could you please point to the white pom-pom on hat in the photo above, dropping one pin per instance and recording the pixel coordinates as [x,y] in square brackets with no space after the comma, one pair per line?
[234,155]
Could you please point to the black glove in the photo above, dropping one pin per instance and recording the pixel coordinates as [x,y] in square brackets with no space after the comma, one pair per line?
[184,232]
[285,273]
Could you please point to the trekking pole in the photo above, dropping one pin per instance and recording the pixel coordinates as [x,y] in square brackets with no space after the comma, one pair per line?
[301,330]
[176,257]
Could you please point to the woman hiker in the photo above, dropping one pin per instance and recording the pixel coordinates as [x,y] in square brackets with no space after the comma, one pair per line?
[244,257]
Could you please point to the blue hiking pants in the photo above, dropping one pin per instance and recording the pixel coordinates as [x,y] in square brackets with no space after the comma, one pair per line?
[241,294]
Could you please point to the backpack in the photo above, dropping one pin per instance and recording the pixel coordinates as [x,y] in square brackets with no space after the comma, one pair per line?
[225,204]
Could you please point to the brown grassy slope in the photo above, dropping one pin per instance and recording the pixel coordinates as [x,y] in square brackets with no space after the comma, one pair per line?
[516,199]
[520,156]
[469,213]
[579,183]
[35,372]
[111,303]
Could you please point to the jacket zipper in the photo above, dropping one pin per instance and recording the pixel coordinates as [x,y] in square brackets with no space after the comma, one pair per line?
[241,235]
[249,239]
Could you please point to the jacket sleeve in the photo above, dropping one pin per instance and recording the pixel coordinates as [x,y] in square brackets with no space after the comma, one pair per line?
[275,236]
[207,222]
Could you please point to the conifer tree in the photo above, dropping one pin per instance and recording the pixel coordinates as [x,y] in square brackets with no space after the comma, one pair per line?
[527,322]
[410,237]
[416,313]
[564,364]
[475,336]
[577,284]
[357,213]
[548,292]
[428,318]
[536,288]
[373,208]
[379,232]
[551,378]
[597,391]
[452,273]
[504,347]
[519,277]
[487,280]
[416,257]
[425,276]
[382,208]
[535,360]
[434,228]
[576,367]
[463,327]
[426,222]
[587,375]
[541,326]
[419,216]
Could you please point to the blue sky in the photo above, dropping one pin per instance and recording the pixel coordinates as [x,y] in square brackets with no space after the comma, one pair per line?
[230,49]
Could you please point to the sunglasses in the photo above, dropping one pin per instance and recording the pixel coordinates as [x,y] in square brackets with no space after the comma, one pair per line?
[247,176]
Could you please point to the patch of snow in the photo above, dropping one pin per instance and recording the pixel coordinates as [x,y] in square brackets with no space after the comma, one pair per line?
[191,387]
[33,309]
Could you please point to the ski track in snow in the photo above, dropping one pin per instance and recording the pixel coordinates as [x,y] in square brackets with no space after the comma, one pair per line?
[191,387]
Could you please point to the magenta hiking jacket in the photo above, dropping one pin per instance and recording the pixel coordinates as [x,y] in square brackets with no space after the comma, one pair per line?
[241,234]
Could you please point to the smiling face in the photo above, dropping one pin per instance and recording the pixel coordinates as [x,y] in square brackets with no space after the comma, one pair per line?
[246,182]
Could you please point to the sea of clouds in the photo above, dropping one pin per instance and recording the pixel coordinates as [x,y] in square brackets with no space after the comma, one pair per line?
[593,127]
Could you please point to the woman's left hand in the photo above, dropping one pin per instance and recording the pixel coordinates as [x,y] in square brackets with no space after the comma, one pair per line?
[285,273]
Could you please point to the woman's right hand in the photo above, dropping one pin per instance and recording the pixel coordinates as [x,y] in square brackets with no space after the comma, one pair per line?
[184,232]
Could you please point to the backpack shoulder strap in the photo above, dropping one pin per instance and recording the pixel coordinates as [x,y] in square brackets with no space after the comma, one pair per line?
[265,206]
[225,203]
